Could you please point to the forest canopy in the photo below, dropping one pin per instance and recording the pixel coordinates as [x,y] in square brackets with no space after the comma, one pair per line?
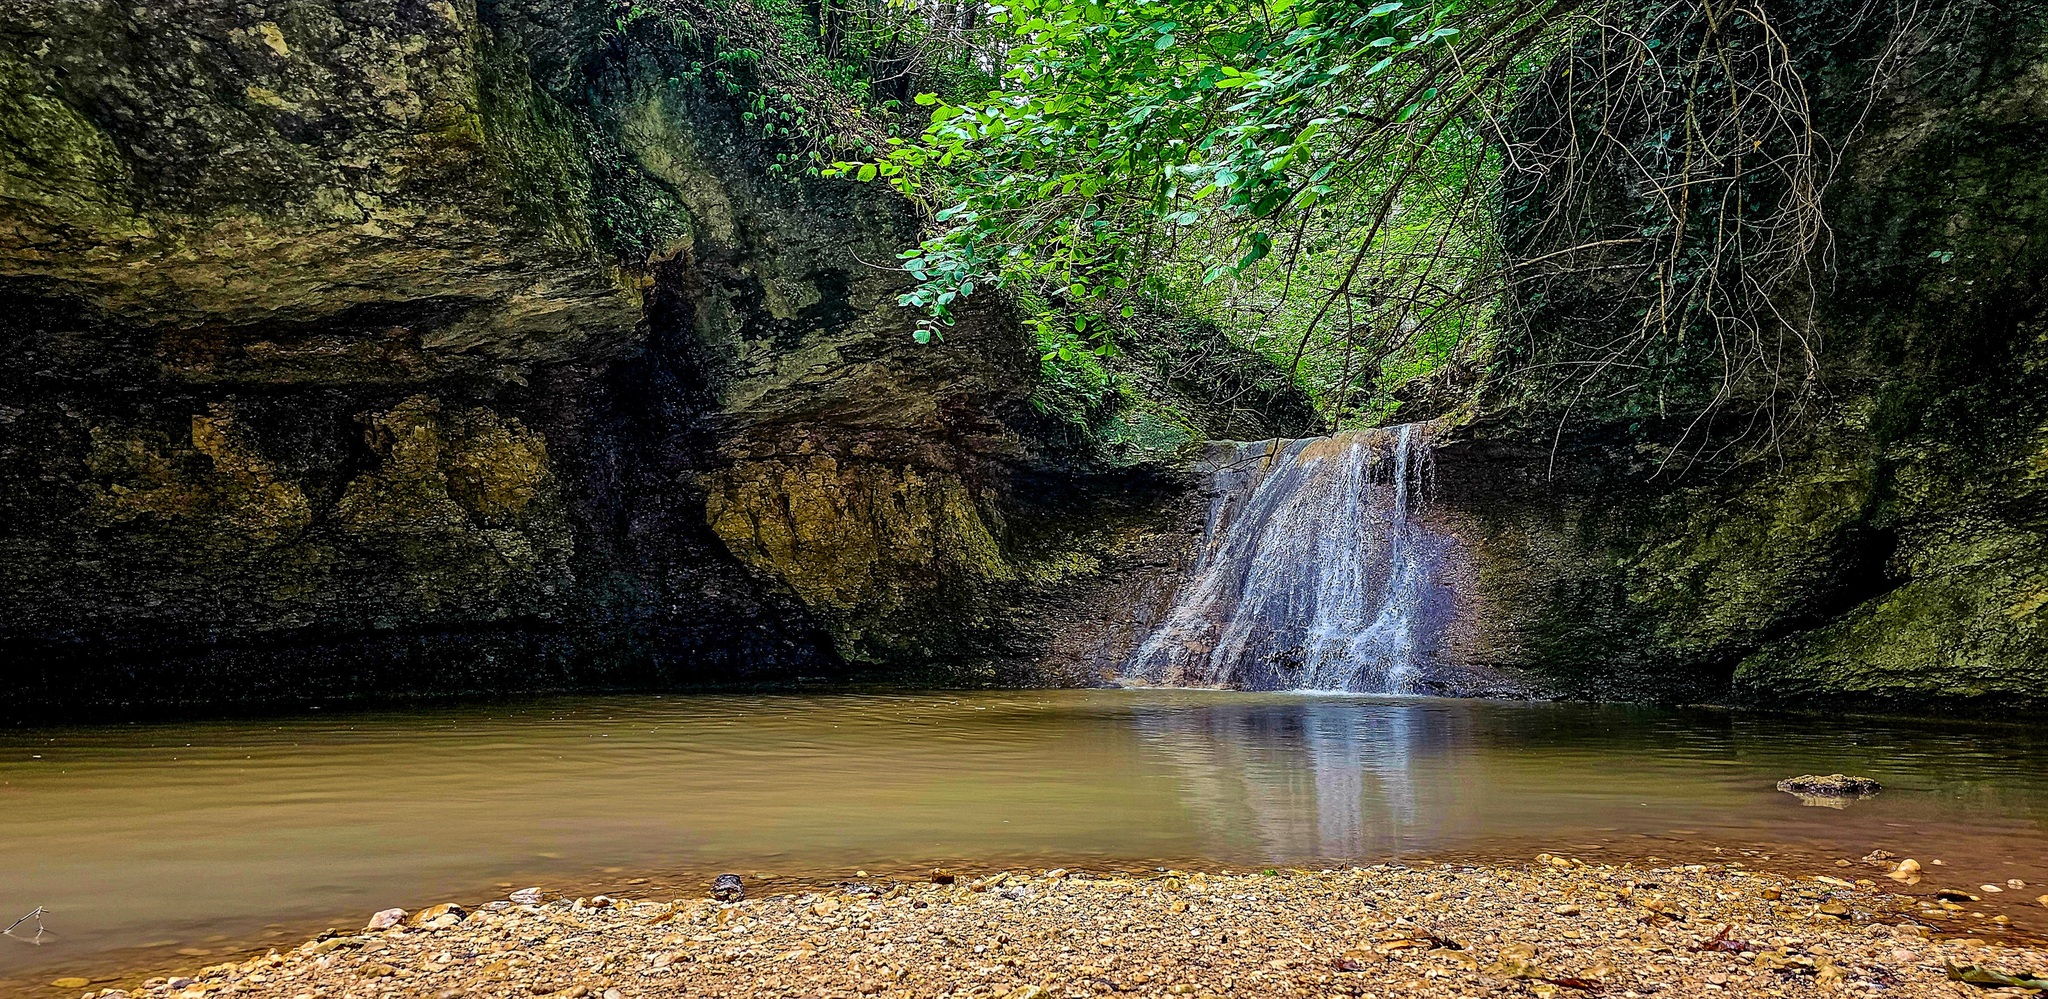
[1369,192]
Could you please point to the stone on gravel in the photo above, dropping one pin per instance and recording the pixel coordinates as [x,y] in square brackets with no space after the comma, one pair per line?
[386,919]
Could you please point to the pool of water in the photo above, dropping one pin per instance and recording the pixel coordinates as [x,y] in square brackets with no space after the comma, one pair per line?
[179,845]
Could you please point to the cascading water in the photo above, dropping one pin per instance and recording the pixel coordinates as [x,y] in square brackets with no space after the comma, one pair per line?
[1314,575]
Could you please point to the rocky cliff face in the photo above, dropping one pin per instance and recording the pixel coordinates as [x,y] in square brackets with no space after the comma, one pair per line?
[381,346]
[394,346]
[1889,553]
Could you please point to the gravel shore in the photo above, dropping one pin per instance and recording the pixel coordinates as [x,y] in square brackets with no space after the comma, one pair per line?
[1554,927]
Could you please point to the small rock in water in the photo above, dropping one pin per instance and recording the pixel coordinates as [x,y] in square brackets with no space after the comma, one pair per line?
[387,919]
[941,876]
[728,888]
[526,896]
[1810,787]
[71,983]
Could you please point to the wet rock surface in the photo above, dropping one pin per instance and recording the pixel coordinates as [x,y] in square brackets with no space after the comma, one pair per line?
[1832,785]
[1556,927]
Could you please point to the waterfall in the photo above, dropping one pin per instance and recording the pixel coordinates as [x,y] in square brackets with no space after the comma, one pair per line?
[1313,574]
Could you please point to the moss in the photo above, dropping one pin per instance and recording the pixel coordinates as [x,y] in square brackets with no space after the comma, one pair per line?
[1882,550]
[219,487]
[1749,564]
[1141,429]
[51,155]
[1972,630]
[465,502]
[497,469]
[868,543]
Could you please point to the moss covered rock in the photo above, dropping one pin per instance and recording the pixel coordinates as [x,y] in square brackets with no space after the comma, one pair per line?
[1886,551]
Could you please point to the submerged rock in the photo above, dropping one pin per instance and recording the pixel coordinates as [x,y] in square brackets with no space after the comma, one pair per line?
[1832,785]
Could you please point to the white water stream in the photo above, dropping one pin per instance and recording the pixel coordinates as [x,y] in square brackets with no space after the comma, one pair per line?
[1313,574]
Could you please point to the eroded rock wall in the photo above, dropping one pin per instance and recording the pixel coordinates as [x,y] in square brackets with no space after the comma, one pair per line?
[381,347]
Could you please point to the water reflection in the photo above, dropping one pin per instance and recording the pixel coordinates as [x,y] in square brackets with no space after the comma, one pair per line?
[1309,779]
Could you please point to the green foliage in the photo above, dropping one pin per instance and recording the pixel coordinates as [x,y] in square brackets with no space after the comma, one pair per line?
[1313,174]
[1331,181]
[1074,385]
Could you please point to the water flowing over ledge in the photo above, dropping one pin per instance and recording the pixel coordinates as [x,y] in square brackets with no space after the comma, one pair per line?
[1315,573]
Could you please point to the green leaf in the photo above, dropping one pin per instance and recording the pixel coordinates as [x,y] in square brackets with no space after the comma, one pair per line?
[867,172]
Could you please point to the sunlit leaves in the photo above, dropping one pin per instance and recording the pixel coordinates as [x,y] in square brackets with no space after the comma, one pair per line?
[1117,123]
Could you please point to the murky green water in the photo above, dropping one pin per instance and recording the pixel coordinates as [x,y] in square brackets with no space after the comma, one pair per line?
[206,837]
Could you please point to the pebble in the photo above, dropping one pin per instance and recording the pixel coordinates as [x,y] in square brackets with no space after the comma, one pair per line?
[436,917]
[1626,930]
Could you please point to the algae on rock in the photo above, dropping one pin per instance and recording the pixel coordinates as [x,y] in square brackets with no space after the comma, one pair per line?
[1885,552]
